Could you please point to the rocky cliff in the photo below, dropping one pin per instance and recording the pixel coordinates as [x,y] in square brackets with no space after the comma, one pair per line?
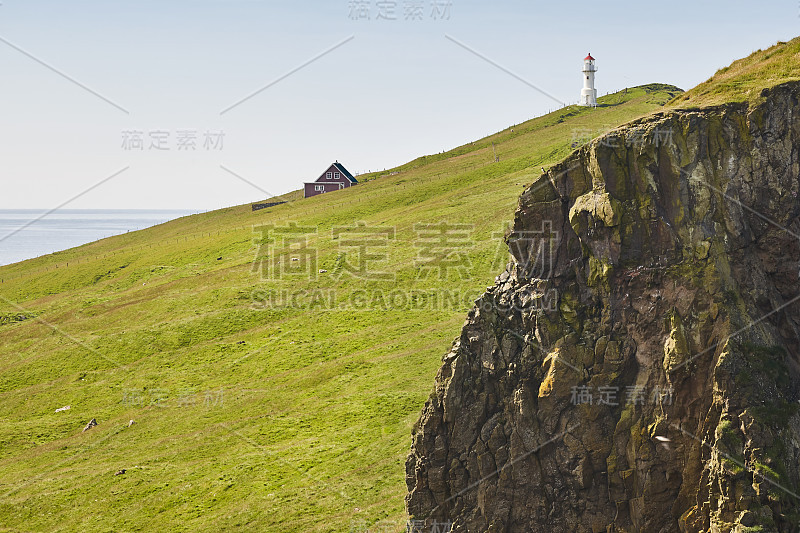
[635,368]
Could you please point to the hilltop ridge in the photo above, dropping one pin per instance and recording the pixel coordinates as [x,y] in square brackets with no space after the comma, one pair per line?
[746,80]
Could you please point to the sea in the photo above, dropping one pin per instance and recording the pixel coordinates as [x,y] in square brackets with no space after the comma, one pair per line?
[29,233]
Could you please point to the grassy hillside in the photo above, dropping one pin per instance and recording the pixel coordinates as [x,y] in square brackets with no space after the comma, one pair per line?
[745,78]
[265,399]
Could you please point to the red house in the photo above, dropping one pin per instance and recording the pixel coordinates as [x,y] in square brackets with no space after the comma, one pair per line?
[335,178]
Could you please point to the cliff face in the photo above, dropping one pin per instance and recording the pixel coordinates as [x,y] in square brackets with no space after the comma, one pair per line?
[635,368]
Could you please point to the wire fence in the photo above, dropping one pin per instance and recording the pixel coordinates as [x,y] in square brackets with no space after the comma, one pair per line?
[291,214]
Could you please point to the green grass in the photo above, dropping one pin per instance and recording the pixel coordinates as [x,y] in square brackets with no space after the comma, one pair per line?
[249,416]
[254,415]
[745,79]
[766,471]
[10,318]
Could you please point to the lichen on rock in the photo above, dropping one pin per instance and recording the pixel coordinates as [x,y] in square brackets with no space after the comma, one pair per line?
[655,387]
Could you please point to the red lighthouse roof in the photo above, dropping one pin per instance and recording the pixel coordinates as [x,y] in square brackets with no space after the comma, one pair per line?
[588,58]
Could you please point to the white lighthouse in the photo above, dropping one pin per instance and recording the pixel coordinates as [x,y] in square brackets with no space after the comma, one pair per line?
[588,93]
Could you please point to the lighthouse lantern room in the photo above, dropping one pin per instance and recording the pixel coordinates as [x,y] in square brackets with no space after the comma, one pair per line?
[588,93]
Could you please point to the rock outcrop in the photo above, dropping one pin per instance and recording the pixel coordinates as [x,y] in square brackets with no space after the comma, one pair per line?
[92,423]
[635,368]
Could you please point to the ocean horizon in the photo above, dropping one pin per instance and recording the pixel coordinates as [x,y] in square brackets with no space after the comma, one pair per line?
[29,233]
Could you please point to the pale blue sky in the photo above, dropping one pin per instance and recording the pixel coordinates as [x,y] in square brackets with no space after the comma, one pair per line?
[396,90]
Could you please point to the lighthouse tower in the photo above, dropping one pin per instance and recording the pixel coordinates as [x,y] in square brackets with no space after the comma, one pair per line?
[588,93]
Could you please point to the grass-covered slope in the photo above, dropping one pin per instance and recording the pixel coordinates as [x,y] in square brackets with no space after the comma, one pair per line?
[746,78]
[262,400]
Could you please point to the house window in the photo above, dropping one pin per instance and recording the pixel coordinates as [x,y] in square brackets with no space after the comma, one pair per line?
[328,175]
[319,188]
[336,175]
[341,185]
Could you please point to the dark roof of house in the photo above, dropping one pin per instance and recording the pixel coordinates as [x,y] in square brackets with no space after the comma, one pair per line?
[344,171]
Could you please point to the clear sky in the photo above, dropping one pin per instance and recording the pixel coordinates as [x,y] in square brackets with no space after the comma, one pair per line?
[90,88]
